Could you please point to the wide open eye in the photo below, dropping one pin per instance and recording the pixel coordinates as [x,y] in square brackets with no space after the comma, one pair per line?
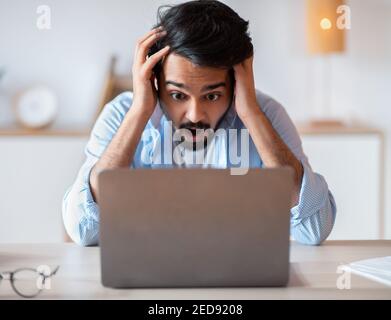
[212,96]
[178,96]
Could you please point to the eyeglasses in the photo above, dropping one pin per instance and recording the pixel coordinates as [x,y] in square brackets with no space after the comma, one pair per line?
[29,282]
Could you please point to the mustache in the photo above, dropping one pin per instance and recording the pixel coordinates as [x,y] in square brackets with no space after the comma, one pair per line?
[193,126]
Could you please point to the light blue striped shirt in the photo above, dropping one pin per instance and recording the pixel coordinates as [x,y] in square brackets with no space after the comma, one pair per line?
[312,219]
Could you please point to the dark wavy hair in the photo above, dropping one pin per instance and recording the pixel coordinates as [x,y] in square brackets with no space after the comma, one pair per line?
[207,32]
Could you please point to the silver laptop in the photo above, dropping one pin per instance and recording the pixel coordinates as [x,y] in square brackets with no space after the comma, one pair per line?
[194,227]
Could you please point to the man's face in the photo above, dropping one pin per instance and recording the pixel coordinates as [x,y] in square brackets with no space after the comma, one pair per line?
[194,97]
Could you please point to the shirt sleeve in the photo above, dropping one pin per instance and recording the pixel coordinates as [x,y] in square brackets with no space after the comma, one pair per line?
[312,219]
[79,210]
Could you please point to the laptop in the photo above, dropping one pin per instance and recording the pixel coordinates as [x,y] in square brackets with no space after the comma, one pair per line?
[170,228]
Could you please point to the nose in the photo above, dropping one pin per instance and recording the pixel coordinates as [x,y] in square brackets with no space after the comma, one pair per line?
[195,113]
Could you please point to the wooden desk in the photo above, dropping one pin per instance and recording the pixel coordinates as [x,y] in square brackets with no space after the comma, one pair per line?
[313,274]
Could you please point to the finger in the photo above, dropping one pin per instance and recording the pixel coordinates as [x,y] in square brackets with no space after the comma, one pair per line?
[145,37]
[155,58]
[150,33]
[238,68]
[144,47]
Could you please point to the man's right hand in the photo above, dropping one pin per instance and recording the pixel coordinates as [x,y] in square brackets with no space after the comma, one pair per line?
[120,151]
[144,92]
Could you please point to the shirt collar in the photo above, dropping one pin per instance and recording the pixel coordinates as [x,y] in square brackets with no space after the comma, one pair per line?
[156,116]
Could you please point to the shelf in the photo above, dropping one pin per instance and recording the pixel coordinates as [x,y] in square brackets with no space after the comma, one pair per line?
[309,129]
[49,132]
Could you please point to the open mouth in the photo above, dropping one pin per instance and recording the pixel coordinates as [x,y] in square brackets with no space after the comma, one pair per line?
[193,131]
[197,134]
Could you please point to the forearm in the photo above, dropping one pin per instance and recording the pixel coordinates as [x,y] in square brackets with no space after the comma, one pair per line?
[120,151]
[271,148]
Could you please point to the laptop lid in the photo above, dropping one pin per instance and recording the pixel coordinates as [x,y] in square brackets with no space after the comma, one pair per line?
[194,227]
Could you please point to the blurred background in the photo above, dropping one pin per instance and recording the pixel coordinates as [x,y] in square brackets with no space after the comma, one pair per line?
[57,70]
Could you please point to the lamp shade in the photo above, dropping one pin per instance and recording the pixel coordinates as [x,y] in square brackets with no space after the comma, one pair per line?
[323,34]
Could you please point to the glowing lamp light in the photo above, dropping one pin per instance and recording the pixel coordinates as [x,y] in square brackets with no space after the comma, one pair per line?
[323,35]
[325,24]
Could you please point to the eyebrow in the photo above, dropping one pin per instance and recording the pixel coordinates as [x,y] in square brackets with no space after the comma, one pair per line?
[205,88]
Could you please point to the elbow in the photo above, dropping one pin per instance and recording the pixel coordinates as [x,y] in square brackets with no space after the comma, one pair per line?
[319,234]
[306,237]
[86,242]
[81,228]
[315,240]
[315,229]
[81,234]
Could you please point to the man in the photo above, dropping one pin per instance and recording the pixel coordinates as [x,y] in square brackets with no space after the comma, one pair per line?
[195,71]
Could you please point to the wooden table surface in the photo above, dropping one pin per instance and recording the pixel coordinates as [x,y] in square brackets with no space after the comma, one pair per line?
[313,274]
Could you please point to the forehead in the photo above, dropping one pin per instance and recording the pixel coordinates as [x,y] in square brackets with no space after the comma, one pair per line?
[180,69]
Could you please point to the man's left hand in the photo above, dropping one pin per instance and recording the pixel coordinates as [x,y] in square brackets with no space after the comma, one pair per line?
[245,95]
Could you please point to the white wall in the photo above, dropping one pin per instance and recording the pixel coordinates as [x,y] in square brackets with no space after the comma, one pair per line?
[361,88]
[73,56]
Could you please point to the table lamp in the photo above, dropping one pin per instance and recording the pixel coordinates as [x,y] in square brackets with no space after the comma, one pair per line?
[324,38]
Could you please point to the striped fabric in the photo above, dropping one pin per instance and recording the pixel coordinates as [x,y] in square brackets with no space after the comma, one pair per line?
[312,219]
